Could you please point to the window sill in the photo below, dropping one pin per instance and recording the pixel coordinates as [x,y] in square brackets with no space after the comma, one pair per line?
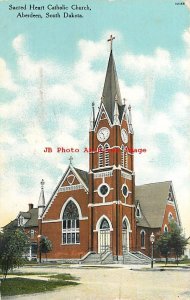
[70,244]
[143,248]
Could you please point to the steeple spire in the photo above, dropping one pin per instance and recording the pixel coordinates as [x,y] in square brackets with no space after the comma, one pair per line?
[92,118]
[111,87]
[130,119]
[116,113]
[41,202]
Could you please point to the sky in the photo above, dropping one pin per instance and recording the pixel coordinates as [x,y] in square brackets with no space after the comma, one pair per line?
[52,69]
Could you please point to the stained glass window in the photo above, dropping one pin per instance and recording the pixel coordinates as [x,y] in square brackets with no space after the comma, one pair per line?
[70,227]
[104,224]
[124,226]
[142,239]
[71,211]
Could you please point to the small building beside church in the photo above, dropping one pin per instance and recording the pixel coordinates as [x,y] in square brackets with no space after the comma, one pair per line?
[101,215]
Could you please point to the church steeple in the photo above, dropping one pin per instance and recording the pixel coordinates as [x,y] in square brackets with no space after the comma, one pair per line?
[111,89]
[41,202]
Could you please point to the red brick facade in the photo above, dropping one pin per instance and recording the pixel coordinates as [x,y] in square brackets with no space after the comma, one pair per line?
[104,198]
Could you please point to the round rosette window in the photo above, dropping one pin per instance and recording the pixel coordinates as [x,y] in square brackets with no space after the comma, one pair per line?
[125,190]
[103,190]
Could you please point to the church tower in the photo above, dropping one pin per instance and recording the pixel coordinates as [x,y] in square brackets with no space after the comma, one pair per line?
[112,225]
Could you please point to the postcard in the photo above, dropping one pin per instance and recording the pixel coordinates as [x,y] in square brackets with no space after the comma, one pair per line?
[95,127]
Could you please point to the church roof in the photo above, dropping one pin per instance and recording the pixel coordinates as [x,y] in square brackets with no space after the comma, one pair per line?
[83,175]
[111,90]
[152,198]
[33,221]
[25,215]
[12,224]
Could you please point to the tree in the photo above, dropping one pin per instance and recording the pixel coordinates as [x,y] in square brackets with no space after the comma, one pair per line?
[13,245]
[178,241]
[163,245]
[45,245]
[172,241]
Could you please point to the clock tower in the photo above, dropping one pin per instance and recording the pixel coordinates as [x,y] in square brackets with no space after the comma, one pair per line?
[112,225]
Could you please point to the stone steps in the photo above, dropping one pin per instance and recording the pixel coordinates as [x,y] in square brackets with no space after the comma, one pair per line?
[133,259]
[141,255]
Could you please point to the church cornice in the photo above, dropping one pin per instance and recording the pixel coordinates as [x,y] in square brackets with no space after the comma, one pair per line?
[110,203]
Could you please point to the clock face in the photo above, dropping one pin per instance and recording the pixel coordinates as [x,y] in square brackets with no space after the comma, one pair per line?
[103,134]
[124,136]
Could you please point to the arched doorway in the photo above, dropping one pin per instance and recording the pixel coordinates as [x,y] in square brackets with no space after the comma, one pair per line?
[125,236]
[104,236]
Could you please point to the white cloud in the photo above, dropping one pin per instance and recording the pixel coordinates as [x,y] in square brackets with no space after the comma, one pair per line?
[18,44]
[181,106]
[160,63]
[6,80]
[135,94]
[68,122]
[184,63]
[186,38]
[91,50]
[65,93]
[30,69]
[187,3]
[161,123]
[15,109]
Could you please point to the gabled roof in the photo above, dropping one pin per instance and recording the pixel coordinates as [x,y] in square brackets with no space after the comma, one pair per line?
[83,175]
[12,224]
[33,221]
[141,220]
[153,199]
[31,215]
[24,214]
[111,89]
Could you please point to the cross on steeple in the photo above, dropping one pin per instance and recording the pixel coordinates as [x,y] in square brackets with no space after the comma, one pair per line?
[70,159]
[111,41]
[42,184]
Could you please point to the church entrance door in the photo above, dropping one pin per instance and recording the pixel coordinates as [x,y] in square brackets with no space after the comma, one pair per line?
[125,237]
[104,237]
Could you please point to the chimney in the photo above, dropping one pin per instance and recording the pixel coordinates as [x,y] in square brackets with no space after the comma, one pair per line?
[30,206]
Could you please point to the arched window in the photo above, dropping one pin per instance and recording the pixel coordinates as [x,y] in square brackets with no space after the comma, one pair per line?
[170,216]
[122,156]
[142,239]
[71,224]
[138,213]
[165,228]
[124,225]
[107,156]
[126,159]
[104,225]
[100,156]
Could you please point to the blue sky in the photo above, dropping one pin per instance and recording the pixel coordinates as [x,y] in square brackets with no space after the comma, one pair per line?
[152,54]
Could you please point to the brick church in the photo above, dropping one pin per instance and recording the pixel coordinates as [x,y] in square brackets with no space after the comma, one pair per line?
[101,214]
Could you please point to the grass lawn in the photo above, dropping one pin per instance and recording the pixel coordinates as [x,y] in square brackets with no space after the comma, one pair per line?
[20,285]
